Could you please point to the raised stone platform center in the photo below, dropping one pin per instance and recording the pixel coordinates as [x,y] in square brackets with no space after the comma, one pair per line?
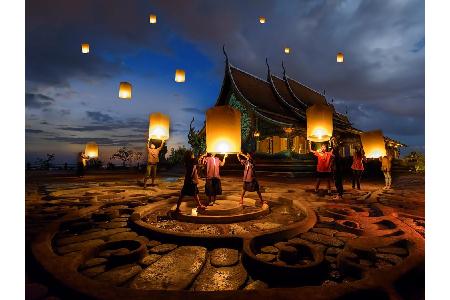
[223,211]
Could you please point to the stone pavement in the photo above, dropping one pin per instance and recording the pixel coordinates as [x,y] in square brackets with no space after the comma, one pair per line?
[105,231]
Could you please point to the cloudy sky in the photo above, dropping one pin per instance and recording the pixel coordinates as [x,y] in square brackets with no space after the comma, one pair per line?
[71,98]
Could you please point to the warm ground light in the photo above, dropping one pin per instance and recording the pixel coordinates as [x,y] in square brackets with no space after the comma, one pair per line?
[104,231]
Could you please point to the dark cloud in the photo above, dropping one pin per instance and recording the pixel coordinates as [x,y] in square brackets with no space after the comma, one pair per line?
[98,116]
[28,130]
[381,82]
[38,100]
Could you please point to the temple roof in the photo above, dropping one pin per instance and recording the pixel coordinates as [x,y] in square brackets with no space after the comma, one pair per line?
[282,102]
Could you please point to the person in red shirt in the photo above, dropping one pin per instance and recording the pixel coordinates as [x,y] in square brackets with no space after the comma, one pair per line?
[357,167]
[323,166]
[213,185]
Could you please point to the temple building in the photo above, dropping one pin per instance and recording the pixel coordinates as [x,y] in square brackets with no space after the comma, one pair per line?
[273,113]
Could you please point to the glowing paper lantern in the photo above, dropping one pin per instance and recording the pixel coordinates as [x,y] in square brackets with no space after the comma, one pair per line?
[180,76]
[125,90]
[373,143]
[287,50]
[91,150]
[152,19]
[340,57]
[159,125]
[319,123]
[223,130]
[262,20]
[85,48]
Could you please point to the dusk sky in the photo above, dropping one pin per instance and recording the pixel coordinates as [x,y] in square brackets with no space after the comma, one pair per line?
[71,98]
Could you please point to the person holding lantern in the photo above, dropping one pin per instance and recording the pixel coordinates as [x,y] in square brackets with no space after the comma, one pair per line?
[213,185]
[338,168]
[250,182]
[81,163]
[386,164]
[190,181]
[323,166]
[152,161]
[358,167]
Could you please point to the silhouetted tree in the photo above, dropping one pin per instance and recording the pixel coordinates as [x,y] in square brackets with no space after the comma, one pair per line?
[124,154]
[196,140]
[45,163]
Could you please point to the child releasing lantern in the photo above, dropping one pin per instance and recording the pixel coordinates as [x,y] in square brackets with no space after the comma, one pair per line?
[319,123]
[373,143]
[159,125]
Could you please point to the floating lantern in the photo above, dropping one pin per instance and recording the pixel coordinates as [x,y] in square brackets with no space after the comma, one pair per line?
[180,76]
[256,133]
[340,57]
[373,144]
[223,130]
[262,20]
[125,90]
[91,150]
[319,123]
[84,48]
[152,19]
[159,125]
[287,50]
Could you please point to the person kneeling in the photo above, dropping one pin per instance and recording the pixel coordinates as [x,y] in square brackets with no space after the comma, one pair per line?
[250,183]
[190,181]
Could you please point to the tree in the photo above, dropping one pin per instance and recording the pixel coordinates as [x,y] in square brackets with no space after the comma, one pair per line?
[177,155]
[196,140]
[124,154]
[45,164]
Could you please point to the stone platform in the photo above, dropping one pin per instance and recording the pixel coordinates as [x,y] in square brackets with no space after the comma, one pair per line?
[110,239]
[223,211]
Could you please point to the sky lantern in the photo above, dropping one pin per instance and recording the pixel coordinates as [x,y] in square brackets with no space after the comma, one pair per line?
[319,123]
[180,75]
[287,50]
[373,143]
[340,57]
[125,90]
[159,125]
[91,150]
[223,130]
[262,20]
[85,48]
[152,19]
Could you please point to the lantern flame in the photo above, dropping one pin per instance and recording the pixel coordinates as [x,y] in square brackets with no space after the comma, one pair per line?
[85,48]
[262,20]
[287,50]
[180,76]
[373,144]
[159,125]
[319,124]
[125,90]
[223,130]
[91,150]
[152,19]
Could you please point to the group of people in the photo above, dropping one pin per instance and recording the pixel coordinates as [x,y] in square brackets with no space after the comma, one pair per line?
[213,184]
[330,165]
